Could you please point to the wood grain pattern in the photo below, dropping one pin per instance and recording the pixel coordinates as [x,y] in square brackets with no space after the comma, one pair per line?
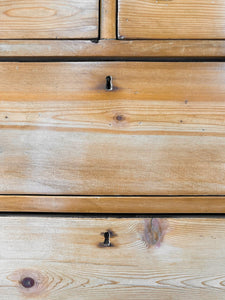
[177,19]
[112,49]
[46,19]
[134,205]
[165,258]
[108,19]
[160,131]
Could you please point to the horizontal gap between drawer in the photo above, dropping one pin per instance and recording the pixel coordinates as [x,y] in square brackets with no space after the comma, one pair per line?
[113,59]
[109,196]
[107,215]
[119,39]
[157,39]
[94,39]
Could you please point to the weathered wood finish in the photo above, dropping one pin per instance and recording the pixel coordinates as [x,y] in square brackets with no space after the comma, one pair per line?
[62,19]
[112,49]
[164,258]
[160,131]
[94,204]
[177,19]
[108,19]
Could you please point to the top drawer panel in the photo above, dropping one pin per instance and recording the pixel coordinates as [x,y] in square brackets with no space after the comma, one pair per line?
[49,19]
[159,131]
[177,19]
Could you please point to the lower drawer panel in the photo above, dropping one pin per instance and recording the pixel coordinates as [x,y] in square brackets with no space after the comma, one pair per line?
[128,258]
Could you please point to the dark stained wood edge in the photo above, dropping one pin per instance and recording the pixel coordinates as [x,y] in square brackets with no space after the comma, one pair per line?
[111,49]
[94,204]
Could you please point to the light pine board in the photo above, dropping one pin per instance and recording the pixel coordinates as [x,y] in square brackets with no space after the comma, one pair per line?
[75,49]
[49,19]
[177,19]
[110,204]
[108,19]
[157,258]
[160,131]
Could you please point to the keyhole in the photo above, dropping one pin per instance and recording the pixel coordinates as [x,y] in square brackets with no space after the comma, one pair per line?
[108,85]
[107,239]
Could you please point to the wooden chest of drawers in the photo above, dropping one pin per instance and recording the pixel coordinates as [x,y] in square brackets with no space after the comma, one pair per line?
[113,112]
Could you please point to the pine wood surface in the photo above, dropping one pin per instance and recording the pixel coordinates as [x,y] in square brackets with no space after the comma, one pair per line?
[177,19]
[62,19]
[160,131]
[108,20]
[173,258]
[113,204]
[112,49]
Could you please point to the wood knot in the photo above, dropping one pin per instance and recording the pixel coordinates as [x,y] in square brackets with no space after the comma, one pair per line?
[119,117]
[29,282]
[154,231]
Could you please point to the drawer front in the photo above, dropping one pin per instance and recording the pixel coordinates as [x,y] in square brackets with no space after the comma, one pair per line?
[61,19]
[159,131]
[177,19]
[88,258]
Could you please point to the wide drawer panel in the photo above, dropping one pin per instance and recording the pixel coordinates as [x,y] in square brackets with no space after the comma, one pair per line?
[177,19]
[62,19]
[160,131]
[88,258]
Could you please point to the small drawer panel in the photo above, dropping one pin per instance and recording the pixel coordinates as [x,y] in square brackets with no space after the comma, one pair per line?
[49,19]
[88,258]
[177,19]
[111,128]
